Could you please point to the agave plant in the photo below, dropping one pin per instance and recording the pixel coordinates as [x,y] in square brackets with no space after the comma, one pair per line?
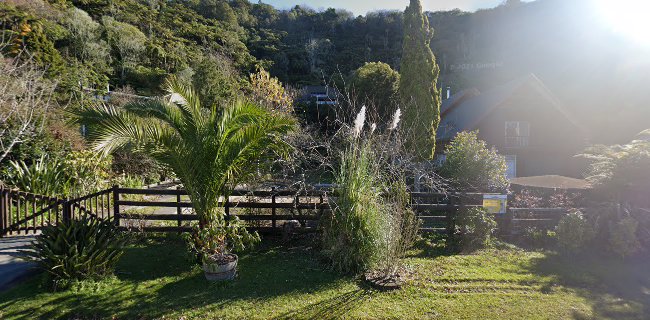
[210,149]
[86,248]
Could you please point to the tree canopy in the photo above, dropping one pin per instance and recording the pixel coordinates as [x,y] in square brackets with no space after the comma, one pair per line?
[419,93]
[376,85]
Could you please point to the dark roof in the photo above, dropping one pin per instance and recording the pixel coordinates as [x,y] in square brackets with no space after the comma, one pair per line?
[457,98]
[643,135]
[319,90]
[467,114]
[551,182]
[308,91]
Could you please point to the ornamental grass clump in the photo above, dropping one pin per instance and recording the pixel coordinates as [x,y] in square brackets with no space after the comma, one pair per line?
[352,234]
[370,227]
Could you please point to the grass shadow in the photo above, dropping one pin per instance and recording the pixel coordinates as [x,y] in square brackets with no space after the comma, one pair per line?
[616,289]
[332,308]
[153,259]
[155,278]
[431,245]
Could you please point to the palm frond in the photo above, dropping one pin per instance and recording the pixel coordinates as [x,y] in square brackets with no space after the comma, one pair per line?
[189,102]
[210,150]
[161,110]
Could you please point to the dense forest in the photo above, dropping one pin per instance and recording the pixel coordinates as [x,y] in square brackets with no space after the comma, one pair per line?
[132,46]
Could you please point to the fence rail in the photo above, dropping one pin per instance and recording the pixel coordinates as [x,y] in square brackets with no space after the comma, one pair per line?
[259,209]
[169,210]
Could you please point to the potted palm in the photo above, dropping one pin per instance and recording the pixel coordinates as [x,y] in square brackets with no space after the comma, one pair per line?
[214,245]
[211,149]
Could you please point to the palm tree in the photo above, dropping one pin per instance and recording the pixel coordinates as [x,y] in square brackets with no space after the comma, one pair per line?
[210,150]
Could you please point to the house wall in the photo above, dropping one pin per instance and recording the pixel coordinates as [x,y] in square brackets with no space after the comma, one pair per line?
[553,141]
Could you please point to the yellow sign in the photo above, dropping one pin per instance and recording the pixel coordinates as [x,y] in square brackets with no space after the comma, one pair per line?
[495,203]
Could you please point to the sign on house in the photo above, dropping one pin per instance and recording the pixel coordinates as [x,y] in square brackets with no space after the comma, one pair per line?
[495,203]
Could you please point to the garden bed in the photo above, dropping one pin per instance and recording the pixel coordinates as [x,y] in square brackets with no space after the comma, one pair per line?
[154,280]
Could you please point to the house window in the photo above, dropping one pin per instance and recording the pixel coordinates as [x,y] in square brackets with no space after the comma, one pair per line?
[511,163]
[517,134]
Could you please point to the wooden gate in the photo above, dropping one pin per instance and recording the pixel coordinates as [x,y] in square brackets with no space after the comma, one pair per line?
[24,213]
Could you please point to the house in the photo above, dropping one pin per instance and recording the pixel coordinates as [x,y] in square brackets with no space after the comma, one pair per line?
[321,95]
[318,106]
[524,121]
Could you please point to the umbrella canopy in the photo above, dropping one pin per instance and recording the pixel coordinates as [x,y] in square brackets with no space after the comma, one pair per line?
[551,182]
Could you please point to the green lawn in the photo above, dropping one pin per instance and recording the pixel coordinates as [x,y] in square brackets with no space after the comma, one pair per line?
[155,281]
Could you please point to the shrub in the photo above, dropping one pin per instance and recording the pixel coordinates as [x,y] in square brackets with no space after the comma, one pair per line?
[87,170]
[539,238]
[529,198]
[574,232]
[87,248]
[132,163]
[620,231]
[44,176]
[623,239]
[473,230]
[216,239]
[526,199]
[470,165]
[128,181]
[80,172]
[269,92]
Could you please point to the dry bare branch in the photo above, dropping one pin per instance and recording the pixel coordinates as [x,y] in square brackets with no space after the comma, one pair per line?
[25,97]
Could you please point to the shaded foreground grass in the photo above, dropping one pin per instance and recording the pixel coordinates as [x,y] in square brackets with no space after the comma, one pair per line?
[154,280]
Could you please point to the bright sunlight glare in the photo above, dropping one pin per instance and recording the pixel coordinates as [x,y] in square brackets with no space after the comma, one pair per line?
[627,17]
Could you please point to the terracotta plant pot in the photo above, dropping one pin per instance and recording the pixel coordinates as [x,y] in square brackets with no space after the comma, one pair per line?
[221,269]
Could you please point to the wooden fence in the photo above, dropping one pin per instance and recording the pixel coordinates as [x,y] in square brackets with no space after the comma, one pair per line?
[264,211]
[169,210]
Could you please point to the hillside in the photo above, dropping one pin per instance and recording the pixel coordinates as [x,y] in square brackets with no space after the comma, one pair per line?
[136,44]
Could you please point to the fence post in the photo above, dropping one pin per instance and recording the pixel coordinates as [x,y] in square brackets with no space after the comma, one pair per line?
[67,210]
[451,216]
[507,223]
[3,210]
[273,207]
[116,206]
[179,211]
[227,209]
[322,202]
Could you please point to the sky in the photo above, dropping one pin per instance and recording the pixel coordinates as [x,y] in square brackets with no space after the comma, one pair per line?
[363,6]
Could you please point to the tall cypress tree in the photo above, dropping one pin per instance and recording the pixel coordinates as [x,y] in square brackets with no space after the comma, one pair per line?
[419,94]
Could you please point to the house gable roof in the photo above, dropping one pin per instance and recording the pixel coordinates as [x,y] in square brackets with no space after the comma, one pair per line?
[448,104]
[467,112]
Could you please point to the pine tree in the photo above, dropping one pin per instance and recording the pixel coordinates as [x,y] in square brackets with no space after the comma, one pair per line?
[419,94]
